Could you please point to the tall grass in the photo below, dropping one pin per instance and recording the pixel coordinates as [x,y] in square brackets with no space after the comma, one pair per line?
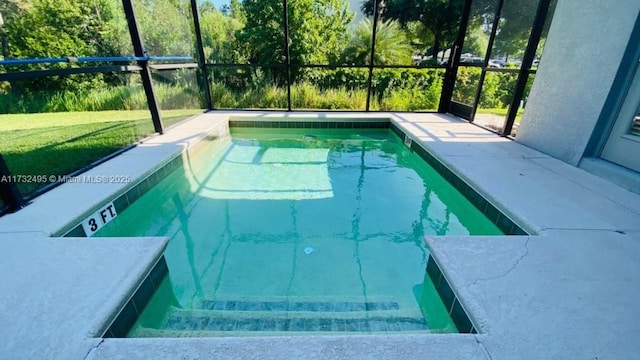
[307,96]
[304,95]
[342,89]
[125,97]
[412,99]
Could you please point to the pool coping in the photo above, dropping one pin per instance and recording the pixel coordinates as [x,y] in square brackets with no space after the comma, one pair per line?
[474,154]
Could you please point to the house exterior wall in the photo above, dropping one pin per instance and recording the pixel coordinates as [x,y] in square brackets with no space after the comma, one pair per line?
[582,55]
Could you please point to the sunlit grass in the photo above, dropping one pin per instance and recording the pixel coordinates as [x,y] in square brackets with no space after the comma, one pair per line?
[60,143]
[500,112]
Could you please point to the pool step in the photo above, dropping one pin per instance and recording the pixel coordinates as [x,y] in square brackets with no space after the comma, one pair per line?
[182,322]
[297,305]
[236,316]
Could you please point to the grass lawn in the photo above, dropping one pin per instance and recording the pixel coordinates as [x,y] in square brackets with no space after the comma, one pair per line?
[60,143]
[501,112]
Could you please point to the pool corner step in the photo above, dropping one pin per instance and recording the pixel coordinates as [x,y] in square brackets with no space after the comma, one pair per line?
[300,304]
[269,321]
[288,314]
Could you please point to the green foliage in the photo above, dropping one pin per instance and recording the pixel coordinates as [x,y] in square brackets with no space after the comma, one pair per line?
[440,17]
[412,99]
[317,32]
[115,30]
[476,41]
[126,97]
[304,95]
[466,84]
[440,20]
[349,78]
[251,31]
[515,26]
[497,90]
[392,46]
[262,39]
[56,28]
[219,36]
[165,26]
[416,89]
[60,28]
[393,89]
[308,96]
[343,88]
[9,9]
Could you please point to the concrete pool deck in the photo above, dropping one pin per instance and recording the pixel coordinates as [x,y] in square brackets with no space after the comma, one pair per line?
[569,291]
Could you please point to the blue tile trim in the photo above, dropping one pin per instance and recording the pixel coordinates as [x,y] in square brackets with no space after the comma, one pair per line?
[132,194]
[396,130]
[132,310]
[502,221]
[384,124]
[460,318]
[77,231]
[311,306]
[449,299]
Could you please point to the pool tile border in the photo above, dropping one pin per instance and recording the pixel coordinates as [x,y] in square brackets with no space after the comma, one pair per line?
[307,124]
[134,307]
[133,193]
[282,305]
[502,221]
[450,299]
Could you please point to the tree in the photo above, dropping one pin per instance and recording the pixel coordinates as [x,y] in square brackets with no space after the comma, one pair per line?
[60,28]
[440,17]
[219,35]
[115,30]
[234,10]
[262,38]
[57,28]
[391,46]
[317,32]
[476,41]
[9,9]
[165,26]
[516,21]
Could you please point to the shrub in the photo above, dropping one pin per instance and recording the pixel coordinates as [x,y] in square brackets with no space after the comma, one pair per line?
[308,96]
[497,90]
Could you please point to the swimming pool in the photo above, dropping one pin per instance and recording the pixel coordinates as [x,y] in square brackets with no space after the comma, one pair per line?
[298,230]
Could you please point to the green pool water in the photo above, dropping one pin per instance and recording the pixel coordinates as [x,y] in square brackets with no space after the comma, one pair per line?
[298,230]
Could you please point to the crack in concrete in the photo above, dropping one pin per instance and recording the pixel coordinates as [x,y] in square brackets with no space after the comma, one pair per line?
[484,350]
[93,347]
[517,262]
